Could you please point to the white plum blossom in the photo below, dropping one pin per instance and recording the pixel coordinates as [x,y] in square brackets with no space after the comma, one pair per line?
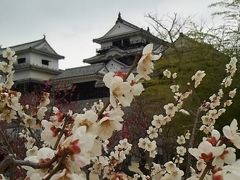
[5,67]
[206,120]
[198,77]
[88,119]
[123,144]
[231,172]
[98,164]
[29,121]
[227,81]
[9,80]
[152,132]
[121,151]
[173,172]
[29,142]
[206,129]
[174,75]
[44,153]
[227,103]
[231,132]
[145,64]
[220,93]
[81,144]
[143,142]
[49,133]
[105,145]
[109,123]
[215,101]
[178,159]
[159,120]
[232,93]
[97,106]
[228,157]
[8,115]
[157,172]
[41,113]
[145,177]
[8,53]
[215,136]
[151,145]
[170,109]
[221,111]
[136,87]
[231,68]
[213,113]
[32,151]
[181,150]
[44,101]
[187,135]
[2,177]
[181,140]
[185,112]
[207,151]
[120,91]
[174,88]
[200,164]
[153,153]
[167,73]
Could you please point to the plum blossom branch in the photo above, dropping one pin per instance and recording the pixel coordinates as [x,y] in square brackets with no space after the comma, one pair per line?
[191,142]
[61,132]
[35,137]
[11,161]
[205,171]
[6,142]
[57,168]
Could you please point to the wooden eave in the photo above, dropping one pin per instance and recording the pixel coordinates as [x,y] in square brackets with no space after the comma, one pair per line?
[78,79]
[27,80]
[40,52]
[24,67]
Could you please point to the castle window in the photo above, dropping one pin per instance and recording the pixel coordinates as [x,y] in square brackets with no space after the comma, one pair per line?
[45,62]
[126,42]
[117,43]
[21,60]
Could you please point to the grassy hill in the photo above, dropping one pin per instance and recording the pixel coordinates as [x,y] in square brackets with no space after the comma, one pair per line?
[186,57]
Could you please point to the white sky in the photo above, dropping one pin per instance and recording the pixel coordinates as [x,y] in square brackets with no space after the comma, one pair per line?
[70,25]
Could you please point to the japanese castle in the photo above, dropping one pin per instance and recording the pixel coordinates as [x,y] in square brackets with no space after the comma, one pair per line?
[38,62]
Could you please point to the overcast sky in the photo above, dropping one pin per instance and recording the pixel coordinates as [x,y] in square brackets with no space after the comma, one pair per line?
[70,25]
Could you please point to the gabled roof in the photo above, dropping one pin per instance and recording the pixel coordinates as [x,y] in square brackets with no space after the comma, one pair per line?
[40,46]
[80,71]
[114,52]
[27,67]
[122,28]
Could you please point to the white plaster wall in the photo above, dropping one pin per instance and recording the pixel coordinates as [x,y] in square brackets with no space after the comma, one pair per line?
[21,75]
[113,66]
[36,59]
[32,75]
[25,55]
[40,75]
[103,71]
